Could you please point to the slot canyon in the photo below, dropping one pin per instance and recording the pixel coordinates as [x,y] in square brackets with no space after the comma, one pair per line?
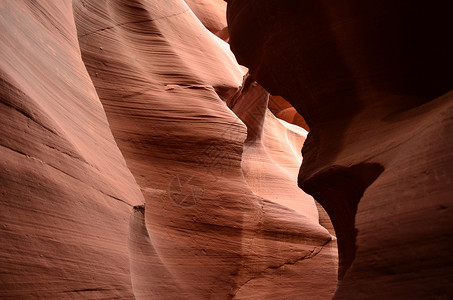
[240,149]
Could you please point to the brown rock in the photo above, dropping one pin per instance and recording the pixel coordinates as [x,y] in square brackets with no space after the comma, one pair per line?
[162,77]
[223,217]
[212,13]
[370,80]
[66,193]
[270,163]
[282,109]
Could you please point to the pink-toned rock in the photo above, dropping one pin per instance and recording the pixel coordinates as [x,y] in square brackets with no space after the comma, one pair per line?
[212,13]
[372,81]
[270,163]
[164,80]
[282,109]
[66,193]
[223,216]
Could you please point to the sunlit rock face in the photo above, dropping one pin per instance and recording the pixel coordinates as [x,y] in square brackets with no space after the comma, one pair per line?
[140,161]
[373,82]
[283,110]
[212,13]
[169,110]
[66,192]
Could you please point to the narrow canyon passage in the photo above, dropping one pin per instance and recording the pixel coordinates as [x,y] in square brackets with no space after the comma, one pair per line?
[223,216]
[140,160]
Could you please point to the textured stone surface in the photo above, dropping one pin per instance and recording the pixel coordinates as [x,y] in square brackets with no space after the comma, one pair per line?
[202,201]
[66,193]
[203,223]
[282,109]
[372,81]
[212,13]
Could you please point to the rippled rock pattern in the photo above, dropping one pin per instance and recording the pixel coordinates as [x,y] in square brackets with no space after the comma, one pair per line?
[140,161]
[373,82]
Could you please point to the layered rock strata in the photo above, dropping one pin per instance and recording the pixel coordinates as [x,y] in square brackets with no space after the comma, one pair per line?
[66,192]
[201,202]
[372,81]
[168,112]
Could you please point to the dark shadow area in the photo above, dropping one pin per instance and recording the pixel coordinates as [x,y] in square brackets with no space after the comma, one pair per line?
[339,190]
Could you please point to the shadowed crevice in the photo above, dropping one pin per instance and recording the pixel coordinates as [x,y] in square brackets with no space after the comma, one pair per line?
[339,190]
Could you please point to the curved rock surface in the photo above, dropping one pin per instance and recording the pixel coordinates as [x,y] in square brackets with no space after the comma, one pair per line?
[139,162]
[282,109]
[212,13]
[372,81]
[203,223]
[66,192]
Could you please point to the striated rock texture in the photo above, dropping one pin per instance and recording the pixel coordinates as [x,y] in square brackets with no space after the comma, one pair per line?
[373,82]
[282,109]
[204,233]
[138,161]
[212,13]
[66,192]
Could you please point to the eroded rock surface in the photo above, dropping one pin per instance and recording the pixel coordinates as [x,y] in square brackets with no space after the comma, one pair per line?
[202,201]
[282,109]
[66,193]
[213,235]
[373,82]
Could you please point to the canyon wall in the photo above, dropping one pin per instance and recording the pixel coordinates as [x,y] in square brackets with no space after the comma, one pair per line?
[140,161]
[66,192]
[373,82]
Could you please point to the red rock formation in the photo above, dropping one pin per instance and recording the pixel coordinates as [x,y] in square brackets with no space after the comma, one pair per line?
[371,80]
[282,109]
[224,217]
[270,163]
[66,193]
[162,77]
[212,13]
